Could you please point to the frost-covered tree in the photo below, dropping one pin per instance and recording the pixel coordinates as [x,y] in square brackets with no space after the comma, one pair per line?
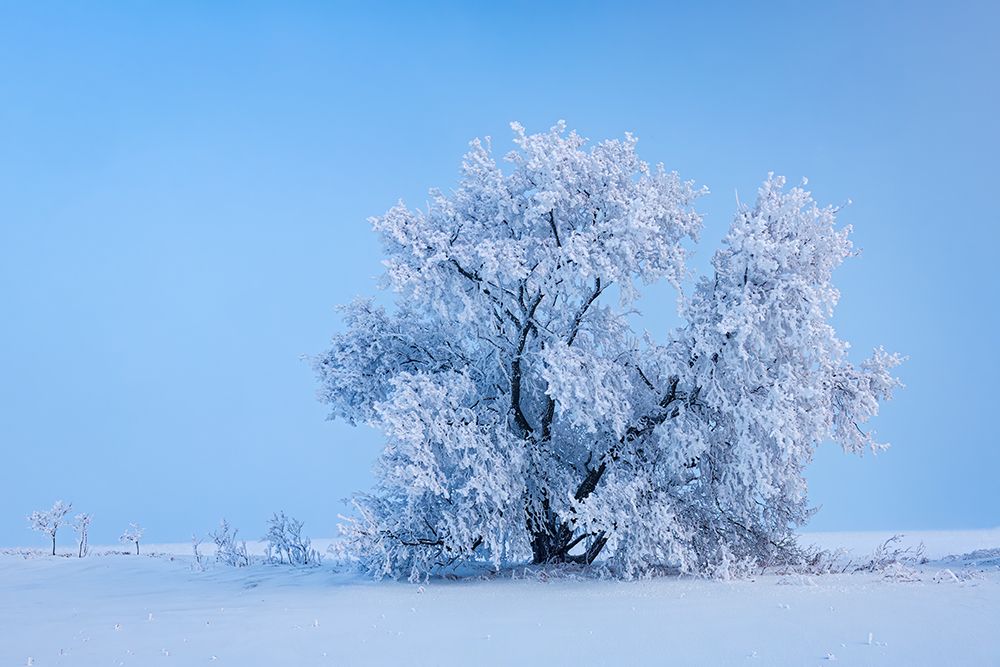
[132,535]
[199,558]
[287,544]
[81,524]
[229,550]
[50,521]
[525,418]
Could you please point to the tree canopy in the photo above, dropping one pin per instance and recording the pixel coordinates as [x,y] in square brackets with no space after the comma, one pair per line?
[523,416]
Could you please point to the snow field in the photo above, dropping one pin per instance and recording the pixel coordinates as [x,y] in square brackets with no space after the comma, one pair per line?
[157,610]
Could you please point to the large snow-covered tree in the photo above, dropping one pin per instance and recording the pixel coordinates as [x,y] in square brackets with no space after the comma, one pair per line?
[524,417]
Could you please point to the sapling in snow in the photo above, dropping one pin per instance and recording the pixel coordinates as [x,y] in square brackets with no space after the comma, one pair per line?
[48,522]
[132,535]
[525,418]
[199,558]
[81,524]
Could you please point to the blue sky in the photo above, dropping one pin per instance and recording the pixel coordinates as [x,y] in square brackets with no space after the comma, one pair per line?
[184,191]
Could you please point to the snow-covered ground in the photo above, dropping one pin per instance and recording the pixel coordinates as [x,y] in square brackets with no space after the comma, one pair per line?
[157,610]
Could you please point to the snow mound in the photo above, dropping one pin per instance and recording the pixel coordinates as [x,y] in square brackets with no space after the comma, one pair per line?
[988,558]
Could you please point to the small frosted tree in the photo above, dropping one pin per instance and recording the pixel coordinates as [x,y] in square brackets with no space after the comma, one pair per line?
[286,543]
[229,550]
[49,522]
[199,558]
[81,524]
[524,417]
[132,535]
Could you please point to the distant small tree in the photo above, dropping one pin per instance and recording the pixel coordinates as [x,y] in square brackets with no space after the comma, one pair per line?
[49,522]
[81,526]
[132,534]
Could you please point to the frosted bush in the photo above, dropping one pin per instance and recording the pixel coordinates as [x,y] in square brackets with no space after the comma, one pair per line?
[228,549]
[286,544]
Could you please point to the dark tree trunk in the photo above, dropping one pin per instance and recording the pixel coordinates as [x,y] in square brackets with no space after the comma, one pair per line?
[546,547]
[552,540]
[554,546]
[53,545]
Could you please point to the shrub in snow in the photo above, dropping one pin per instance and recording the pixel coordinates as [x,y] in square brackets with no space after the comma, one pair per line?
[132,534]
[890,556]
[525,418]
[815,561]
[50,521]
[228,549]
[26,554]
[286,544]
[81,524]
[199,558]
[900,572]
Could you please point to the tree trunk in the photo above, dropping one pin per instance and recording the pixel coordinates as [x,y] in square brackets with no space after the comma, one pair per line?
[53,545]
[555,546]
[137,547]
[545,550]
[552,539]
[548,535]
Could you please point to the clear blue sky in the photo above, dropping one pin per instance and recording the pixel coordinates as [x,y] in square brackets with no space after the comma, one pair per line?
[184,190]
